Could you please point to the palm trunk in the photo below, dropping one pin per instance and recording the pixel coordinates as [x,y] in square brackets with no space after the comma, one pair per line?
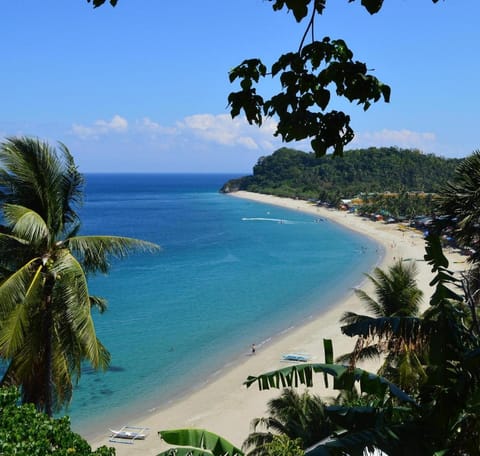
[48,328]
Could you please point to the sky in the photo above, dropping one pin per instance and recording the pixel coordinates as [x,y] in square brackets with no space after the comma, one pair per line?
[143,87]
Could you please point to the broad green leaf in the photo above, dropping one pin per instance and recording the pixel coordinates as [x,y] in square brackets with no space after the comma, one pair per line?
[344,379]
[328,350]
[202,441]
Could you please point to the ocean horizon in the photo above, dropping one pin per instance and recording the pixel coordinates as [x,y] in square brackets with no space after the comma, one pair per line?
[231,272]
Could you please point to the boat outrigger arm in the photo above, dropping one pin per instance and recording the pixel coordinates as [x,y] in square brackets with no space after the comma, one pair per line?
[128,434]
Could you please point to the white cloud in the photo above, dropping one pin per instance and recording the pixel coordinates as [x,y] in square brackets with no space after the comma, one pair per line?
[117,123]
[400,138]
[203,131]
[222,129]
[149,126]
[199,129]
[101,127]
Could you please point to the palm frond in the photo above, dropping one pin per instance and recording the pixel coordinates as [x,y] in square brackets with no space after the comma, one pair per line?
[73,230]
[71,292]
[254,444]
[99,303]
[410,369]
[459,199]
[408,328]
[350,318]
[372,306]
[62,370]
[72,186]
[94,251]
[364,353]
[298,416]
[36,176]
[26,224]
[357,443]
[16,323]
[396,291]
[268,423]
[15,252]
[14,288]
[185,451]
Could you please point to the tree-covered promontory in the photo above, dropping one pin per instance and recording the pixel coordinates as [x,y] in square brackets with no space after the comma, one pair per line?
[292,173]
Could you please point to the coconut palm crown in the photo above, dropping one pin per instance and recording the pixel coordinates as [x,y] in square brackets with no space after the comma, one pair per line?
[46,326]
[397,297]
[296,416]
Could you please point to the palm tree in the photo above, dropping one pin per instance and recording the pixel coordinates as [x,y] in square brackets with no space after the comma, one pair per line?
[297,416]
[397,299]
[46,326]
[460,199]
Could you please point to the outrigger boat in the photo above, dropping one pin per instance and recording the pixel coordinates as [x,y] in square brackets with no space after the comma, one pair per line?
[128,434]
[301,357]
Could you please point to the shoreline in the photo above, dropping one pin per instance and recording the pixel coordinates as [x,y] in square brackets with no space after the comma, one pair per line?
[221,403]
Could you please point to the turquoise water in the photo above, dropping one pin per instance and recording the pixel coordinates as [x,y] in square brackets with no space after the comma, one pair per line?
[231,273]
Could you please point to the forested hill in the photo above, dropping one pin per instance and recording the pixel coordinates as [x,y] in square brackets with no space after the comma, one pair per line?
[289,172]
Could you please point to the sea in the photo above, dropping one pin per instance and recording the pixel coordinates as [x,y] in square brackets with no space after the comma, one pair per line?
[231,272]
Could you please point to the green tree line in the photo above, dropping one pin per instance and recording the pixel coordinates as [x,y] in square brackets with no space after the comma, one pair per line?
[296,174]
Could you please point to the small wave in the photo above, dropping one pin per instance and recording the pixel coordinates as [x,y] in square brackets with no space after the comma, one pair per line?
[285,221]
[287,329]
[229,258]
[266,219]
[265,341]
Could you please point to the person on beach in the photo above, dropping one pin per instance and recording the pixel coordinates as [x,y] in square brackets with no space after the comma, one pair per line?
[253,349]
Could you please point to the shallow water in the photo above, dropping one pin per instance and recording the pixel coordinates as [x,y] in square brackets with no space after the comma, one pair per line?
[231,272]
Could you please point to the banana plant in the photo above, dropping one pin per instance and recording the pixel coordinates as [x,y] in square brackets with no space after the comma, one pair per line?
[197,442]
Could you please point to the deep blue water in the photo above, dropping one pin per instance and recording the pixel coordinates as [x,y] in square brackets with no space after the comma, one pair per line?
[229,274]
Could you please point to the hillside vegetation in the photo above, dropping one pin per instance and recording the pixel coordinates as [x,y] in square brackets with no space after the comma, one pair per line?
[292,173]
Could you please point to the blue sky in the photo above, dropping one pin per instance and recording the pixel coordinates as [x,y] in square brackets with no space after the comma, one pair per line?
[143,87]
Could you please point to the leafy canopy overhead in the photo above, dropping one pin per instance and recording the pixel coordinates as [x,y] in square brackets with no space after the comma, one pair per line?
[308,78]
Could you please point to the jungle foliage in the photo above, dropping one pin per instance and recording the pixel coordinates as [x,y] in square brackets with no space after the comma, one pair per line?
[295,174]
[24,431]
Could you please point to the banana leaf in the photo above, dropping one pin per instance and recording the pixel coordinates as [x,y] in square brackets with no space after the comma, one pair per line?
[344,379]
[197,442]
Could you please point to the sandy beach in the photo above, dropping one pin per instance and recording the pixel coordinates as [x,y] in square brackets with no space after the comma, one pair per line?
[224,405]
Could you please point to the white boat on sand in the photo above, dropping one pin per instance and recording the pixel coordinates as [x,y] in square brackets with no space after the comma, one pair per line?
[127,434]
[300,357]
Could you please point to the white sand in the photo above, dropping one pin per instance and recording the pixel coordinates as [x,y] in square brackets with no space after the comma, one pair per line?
[224,405]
